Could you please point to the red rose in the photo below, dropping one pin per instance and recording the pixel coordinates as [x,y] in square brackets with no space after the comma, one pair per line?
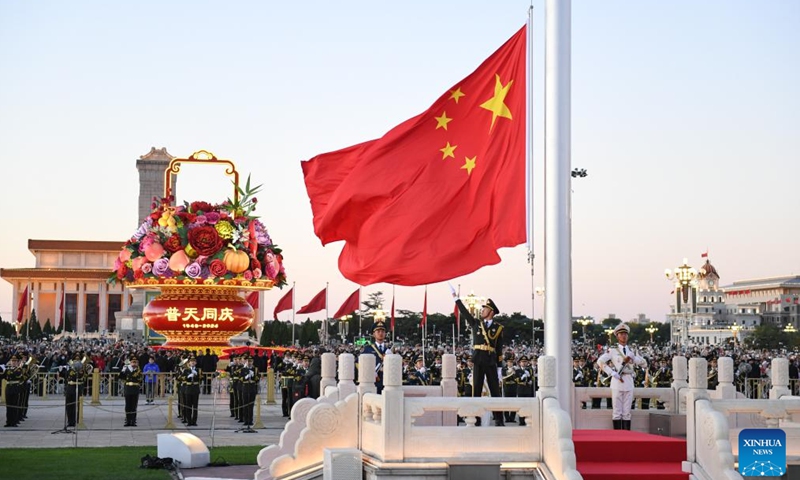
[138,274]
[254,263]
[187,217]
[122,271]
[173,244]
[205,240]
[217,268]
[204,207]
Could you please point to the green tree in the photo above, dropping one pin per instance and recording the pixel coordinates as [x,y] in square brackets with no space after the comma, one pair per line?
[767,336]
[48,328]
[67,327]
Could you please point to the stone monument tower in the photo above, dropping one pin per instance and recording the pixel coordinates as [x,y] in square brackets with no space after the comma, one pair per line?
[151,168]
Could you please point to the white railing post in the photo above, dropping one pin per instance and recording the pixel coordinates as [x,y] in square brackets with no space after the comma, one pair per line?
[725,388]
[328,373]
[393,408]
[449,387]
[347,372]
[779,374]
[366,374]
[679,377]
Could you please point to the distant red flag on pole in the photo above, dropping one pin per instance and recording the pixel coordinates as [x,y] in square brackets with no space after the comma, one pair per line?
[285,303]
[458,318]
[252,299]
[704,255]
[61,307]
[424,321]
[316,304]
[23,302]
[350,305]
[459,196]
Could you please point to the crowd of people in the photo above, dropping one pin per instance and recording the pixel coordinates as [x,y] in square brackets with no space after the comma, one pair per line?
[487,365]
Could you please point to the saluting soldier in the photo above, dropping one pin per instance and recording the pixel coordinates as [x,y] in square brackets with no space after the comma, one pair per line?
[180,386]
[131,377]
[191,379]
[232,369]
[713,374]
[14,379]
[236,379]
[525,378]
[487,338]
[435,372]
[249,374]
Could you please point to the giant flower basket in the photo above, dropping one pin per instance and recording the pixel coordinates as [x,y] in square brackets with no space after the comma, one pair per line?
[201,257]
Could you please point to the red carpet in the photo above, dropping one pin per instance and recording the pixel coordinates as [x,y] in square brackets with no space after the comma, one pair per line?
[623,455]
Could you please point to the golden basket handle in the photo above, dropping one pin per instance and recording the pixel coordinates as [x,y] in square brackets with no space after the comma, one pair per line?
[202,157]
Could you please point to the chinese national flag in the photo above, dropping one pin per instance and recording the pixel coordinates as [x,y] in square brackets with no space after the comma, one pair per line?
[319,302]
[350,305]
[23,302]
[285,303]
[437,195]
[457,314]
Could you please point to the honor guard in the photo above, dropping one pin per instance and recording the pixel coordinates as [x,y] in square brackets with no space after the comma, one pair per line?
[487,340]
[619,363]
[231,369]
[76,379]
[191,379]
[418,375]
[236,382]
[14,379]
[249,374]
[131,377]
[379,348]
[509,381]
[435,372]
[526,384]
[287,379]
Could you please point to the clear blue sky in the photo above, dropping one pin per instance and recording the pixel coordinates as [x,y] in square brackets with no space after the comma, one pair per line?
[686,115]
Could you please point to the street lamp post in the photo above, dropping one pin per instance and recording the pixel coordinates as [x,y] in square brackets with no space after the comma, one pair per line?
[609,332]
[651,330]
[684,278]
[584,321]
[735,330]
[344,326]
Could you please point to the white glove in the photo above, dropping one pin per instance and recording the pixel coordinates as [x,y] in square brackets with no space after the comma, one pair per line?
[452,290]
[615,375]
[248,376]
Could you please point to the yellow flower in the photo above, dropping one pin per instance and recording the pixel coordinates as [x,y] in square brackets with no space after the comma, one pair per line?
[190,251]
[224,229]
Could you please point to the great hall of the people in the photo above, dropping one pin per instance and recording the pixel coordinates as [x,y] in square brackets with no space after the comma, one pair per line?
[68,279]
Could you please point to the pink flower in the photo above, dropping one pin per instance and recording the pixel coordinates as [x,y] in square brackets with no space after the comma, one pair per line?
[147,268]
[257,273]
[248,275]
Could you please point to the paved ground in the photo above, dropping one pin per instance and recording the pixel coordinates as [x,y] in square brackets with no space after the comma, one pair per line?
[104,427]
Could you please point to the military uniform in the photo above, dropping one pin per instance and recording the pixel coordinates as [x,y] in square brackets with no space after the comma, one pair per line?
[618,363]
[509,380]
[14,380]
[76,379]
[191,379]
[418,375]
[379,349]
[249,375]
[487,338]
[233,372]
[525,378]
[131,376]
[287,379]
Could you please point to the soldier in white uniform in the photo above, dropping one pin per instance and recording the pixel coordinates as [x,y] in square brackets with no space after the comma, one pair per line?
[618,363]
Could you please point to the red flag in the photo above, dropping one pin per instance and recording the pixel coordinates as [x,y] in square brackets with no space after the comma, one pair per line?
[424,321]
[350,305]
[437,195]
[23,302]
[457,314]
[61,307]
[285,303]
[319,302]
[704,255]
[252,299]
[391,327]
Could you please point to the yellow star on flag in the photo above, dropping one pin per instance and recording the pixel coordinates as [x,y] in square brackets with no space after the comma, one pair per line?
[448,150]
[441,122]
[469,164]
[456,94]
[496,104]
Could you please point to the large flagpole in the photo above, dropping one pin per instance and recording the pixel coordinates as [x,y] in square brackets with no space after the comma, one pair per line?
[558,230]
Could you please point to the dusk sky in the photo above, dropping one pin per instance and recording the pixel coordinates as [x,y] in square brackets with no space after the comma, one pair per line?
[685,114]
